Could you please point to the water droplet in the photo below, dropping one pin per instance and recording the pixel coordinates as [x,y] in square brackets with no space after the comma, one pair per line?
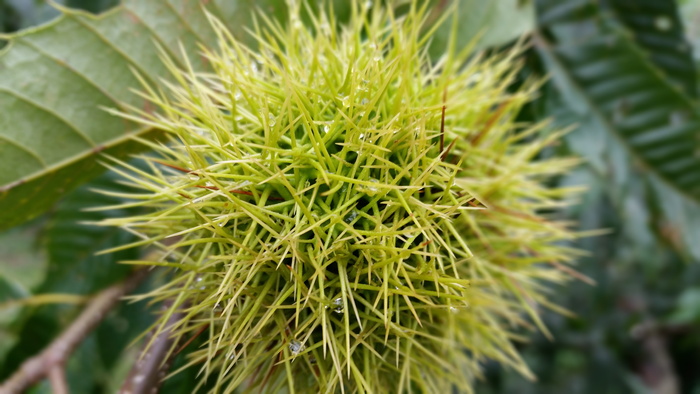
[364,101]
[350,217]
[326,129]
[373,46]
[345,100]
[237,96]
[663,23]
[365,81]
[368,4]
[377,58]
[338,302]
[454,310]
[411,235]
[474,78]
[372,188]
[296,347]
[272,120]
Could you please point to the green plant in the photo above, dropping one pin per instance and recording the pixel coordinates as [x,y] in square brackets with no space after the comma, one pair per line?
[345,212]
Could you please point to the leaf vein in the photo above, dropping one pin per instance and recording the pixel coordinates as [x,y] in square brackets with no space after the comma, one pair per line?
[113,47]
[26,149]
[67,66]
[51,112]
[185,23]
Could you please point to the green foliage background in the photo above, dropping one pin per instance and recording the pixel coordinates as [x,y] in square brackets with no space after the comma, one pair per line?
[625,73]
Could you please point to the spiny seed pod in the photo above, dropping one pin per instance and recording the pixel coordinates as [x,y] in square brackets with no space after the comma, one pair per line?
[348,214]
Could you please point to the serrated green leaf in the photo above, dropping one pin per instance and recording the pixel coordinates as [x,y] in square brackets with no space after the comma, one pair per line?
[54,79]
[605,73]
[657,28]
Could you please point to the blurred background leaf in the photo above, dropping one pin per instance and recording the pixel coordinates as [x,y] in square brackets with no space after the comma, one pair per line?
[73,268]
[624,74]
[627,66]
[489,23]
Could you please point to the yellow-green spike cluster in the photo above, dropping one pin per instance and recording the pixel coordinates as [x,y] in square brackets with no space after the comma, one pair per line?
[346,213]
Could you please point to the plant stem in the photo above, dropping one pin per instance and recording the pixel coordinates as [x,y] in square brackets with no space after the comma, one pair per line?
[57,378]
[147,373]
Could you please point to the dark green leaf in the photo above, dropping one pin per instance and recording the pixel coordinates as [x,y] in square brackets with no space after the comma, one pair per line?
[657,28]
[94,6]
[605,73]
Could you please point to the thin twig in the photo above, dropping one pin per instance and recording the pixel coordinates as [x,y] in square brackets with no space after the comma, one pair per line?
[51,360]
[147,373]
[442,121]
[57,377]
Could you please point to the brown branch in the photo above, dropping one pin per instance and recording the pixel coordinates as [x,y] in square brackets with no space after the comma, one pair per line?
[49,363]
[147,373]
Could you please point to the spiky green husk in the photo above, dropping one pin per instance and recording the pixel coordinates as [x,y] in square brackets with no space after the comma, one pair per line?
[325,237]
